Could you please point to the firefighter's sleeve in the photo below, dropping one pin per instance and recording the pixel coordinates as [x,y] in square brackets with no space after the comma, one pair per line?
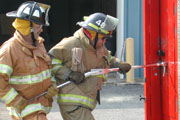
[59,56]
[112,61]
[7,93]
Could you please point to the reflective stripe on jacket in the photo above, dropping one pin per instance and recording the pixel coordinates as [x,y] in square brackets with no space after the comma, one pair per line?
[83,94]
[25,71]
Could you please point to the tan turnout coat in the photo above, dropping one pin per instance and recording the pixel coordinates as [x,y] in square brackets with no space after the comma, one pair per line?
[75,53]
[25,71]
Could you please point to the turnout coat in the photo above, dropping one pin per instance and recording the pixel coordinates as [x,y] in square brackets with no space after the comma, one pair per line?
[75,53]
[25,71]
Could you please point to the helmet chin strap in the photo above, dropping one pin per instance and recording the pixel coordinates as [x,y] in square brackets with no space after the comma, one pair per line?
[32,35]
[95,40]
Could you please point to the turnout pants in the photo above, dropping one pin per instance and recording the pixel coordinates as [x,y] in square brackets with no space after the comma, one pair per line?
[74,112]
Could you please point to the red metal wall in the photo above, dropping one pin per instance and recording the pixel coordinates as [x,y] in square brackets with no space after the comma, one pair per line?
[151,36]
[161,92]
[169,45]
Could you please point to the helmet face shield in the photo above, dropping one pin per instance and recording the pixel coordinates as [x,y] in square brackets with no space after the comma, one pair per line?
[45,10]
[110,23]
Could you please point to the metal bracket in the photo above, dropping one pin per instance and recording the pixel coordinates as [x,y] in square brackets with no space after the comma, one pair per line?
[142,98]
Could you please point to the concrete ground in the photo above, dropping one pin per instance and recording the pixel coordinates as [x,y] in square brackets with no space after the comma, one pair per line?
[119,101]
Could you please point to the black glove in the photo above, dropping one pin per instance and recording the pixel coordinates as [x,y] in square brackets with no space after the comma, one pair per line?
[124,67]
[77,77]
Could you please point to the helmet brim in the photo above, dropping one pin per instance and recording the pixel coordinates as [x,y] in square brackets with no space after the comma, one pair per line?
[80,23]
[12,14]
[84,25]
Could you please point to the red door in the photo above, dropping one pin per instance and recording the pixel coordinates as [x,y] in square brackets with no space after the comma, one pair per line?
[160,45]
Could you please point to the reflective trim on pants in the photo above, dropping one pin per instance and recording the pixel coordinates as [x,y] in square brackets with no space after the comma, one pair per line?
[65,98]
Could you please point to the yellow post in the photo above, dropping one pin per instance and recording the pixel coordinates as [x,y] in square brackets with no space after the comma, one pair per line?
[130,59]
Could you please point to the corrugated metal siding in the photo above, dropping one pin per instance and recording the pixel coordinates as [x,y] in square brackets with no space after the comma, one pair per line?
[134,28]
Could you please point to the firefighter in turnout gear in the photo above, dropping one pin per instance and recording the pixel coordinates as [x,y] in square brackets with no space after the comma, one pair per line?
[25,67]
[78,54]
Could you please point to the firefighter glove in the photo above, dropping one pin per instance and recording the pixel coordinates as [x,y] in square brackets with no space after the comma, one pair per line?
[20,104]
[77,77]
[52,90]
[124,67]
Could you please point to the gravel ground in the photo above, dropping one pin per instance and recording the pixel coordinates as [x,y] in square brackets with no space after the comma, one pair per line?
[117,103]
